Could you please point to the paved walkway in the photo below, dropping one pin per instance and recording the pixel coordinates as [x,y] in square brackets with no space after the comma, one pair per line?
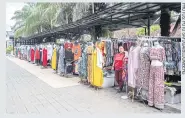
[31,89]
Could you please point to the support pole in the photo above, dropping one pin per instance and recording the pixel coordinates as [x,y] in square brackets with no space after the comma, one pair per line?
[145,31]
[148,25]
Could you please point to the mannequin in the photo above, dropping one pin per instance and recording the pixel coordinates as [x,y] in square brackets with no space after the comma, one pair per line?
[156,80]
[156,62]
[133,65]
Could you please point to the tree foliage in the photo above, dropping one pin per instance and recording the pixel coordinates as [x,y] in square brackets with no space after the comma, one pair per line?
[37,17]
[153,28]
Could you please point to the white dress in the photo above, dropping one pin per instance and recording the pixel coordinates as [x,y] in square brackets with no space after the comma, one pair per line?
[133,64]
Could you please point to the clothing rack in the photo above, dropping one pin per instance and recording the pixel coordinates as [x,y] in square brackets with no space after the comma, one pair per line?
[153,38]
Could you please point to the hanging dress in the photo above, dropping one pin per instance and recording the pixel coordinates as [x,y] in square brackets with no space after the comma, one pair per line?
[44,63]
[37,56]
[61,66]
[90,64]
[133,64]
[84,63]
[57,58]
[32,55]
[54,59]
[144,68]
[97,70]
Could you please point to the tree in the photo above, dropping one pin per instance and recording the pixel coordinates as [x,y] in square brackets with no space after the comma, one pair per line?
[153,28]
[39,17]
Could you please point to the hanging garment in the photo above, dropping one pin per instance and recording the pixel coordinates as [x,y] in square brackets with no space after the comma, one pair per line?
[144,68]
[57,58]
[61,66]
[125,46]
[45,56]
[54,59]
[97,71]
[69,56]
[99,58]
[84,63]
[49,52]
[133,64]
[28,54]
[41,56]
[69,68]
[76,49]
[32,55]
[76,67]
[68,45]
[156,80]
[37,56]
[80,67]
[90,64]
[108,58]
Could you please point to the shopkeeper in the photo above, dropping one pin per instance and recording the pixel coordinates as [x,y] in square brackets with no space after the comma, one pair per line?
[118,66]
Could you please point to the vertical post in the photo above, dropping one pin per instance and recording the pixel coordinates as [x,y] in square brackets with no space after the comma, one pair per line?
[165,22]
[92,8]
[145,31]
[13,44]
[148,25]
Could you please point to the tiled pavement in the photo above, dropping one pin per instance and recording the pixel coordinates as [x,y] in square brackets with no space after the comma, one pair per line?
[29,92]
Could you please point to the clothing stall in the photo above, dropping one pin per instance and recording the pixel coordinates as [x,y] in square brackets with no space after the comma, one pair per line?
[151,66]
[148,68]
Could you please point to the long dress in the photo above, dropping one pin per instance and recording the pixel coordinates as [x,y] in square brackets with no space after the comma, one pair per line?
[44,63]
[54,59]
[133,64]
[32,55]
[97,71]
[61,68]
[142,81]
[144,68]
[90,64]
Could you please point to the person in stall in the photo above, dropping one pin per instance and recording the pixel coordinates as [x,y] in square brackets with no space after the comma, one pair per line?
[118,67]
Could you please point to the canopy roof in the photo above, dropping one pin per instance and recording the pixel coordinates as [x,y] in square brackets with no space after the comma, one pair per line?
[121,15]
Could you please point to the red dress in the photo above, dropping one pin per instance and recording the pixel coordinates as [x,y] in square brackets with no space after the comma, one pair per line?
[32,55]
[44,57]
[37,54]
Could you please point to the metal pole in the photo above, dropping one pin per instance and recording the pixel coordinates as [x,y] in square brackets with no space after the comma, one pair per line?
[148,25]
[145,31]
[93,8]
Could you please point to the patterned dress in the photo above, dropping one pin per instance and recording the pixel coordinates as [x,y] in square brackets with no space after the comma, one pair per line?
[144,68]
[61,68]
[156,80]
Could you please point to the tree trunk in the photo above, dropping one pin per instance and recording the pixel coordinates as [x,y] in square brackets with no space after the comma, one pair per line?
[165,22]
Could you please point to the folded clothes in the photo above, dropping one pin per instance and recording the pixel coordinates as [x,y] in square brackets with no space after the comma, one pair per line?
[174,89]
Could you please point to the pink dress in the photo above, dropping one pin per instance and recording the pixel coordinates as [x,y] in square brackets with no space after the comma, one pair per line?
[133,64]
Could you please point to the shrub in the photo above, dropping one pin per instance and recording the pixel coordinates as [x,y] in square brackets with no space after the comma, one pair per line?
[9,49]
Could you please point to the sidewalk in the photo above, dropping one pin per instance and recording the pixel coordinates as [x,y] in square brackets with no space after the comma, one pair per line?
[31,89]
[46,75]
